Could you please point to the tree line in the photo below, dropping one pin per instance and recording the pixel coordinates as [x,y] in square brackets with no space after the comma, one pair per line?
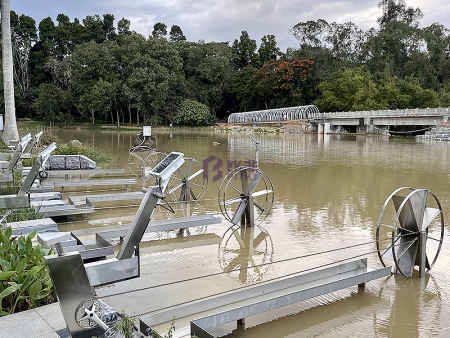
[96,70]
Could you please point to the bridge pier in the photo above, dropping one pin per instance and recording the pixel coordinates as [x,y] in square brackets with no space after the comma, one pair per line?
[372,129]
[382,130]
[324,128]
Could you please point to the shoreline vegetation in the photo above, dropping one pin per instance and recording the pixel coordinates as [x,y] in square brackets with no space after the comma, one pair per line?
[279,127]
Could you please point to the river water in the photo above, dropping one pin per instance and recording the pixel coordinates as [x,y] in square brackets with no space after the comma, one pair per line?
[328,193]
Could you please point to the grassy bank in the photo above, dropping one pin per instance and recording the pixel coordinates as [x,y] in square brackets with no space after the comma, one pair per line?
[71,148]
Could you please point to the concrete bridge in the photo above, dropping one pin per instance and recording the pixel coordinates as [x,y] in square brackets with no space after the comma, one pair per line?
[372,122]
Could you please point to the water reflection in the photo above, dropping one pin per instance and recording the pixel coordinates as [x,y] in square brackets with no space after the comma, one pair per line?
[424,295]
[317,317]
[246,252]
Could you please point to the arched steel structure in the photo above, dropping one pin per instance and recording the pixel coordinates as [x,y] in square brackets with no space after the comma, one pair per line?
[280,114]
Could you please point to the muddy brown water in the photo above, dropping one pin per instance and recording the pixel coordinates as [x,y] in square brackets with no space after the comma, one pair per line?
[328,194]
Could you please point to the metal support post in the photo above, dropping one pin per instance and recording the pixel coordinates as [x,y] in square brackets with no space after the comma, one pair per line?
[422,253]
[140,223]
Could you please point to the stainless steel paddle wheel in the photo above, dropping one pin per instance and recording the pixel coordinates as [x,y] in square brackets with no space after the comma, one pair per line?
[414,239]
[246,196]
[188,183]
[136,160]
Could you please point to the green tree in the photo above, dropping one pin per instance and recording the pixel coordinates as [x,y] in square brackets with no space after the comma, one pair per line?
[176,34]
[432,65]
[63,41]
[208,71]
[88,105]
[244,51]
[80,34]
[159,30]
[444,98]
[355,89]
[397,11]
[347,90]
[398,39]
[106,96]
[91,63]
[23,36]
[168,74]
[268,50]
[418,96]
[244,88]
[152,83]
[49,101]
[324,65]
[344,42]
[310,33]
[331,47]
[123,27]
[193,113]
[130,55]
[47,32]
[40,53]
[94,25]
[109,30]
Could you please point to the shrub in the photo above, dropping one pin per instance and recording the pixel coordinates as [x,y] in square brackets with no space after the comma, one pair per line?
[193,113]
[25,281]
[3,146]
[18,214]
[125,328]
[22,214]
[72,148]
[12,188]
[78,148]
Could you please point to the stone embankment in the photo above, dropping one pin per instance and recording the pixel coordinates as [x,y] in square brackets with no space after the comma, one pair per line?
[436,134]
[262,128]
[70,162]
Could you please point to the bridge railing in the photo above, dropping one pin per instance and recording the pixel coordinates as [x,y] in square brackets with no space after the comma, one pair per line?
[383,113]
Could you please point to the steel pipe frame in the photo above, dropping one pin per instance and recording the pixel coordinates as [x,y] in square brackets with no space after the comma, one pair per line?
[312,112]
[280,114]
[18,150]
[22,199]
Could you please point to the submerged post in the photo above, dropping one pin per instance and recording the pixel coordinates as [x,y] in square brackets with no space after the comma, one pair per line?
[422,253]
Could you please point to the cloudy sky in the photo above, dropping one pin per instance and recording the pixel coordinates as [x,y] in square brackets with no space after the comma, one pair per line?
[224,20]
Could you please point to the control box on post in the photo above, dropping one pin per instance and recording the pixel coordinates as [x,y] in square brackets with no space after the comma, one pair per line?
[146,131]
